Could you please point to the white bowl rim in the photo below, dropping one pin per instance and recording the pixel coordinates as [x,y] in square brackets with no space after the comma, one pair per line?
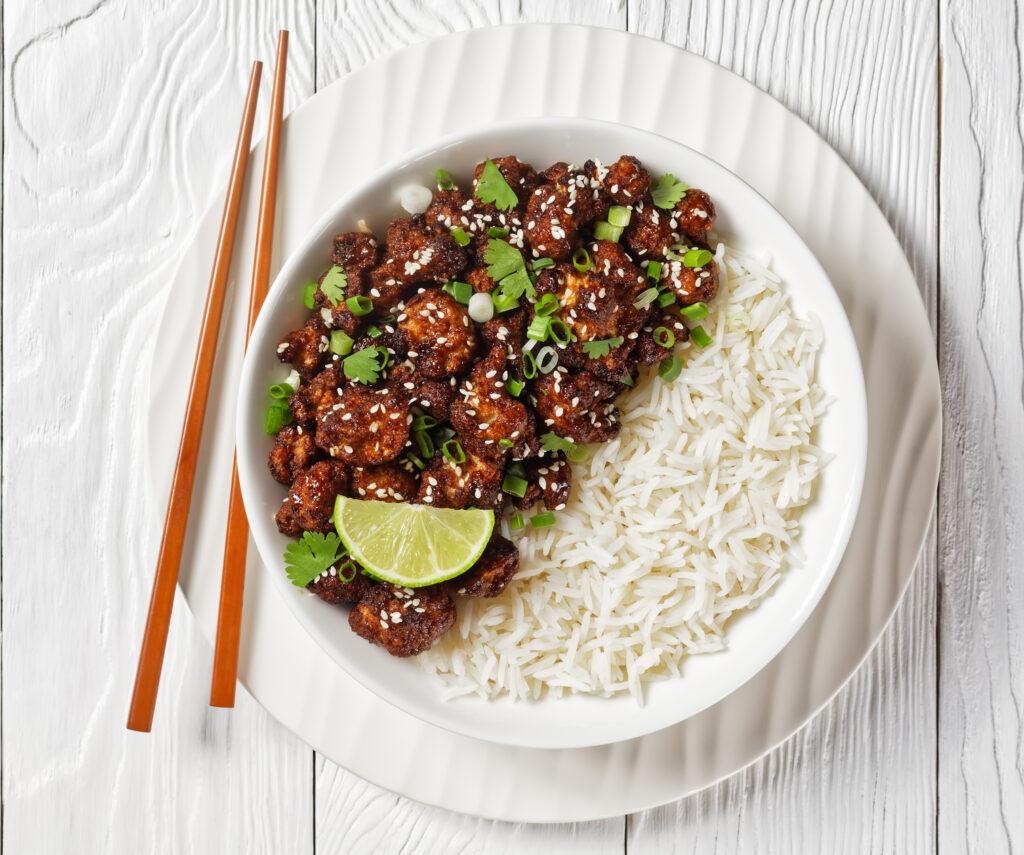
[249,470]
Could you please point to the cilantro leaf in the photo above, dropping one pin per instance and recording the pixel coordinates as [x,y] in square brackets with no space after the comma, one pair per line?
[599,348]
[668,190]
[553,442]
[306,559]
[365,366]
[502,259]
[492,187]
[334,284]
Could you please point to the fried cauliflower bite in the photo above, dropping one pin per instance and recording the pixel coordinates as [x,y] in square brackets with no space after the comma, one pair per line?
[649,233]
[547,478]
[557,210]
[404,621]
[333,589]
[311,400]
[492,571]
[626,181]
[439,338]
[356,253]
[691,284]
[474,483]
[695,214]
[307,348]
[294,449]
[576,406]
[310,500]
[647,350]
[366,426]
[385,482]
[506,330]
[483,414]
[415,255]
[521,177]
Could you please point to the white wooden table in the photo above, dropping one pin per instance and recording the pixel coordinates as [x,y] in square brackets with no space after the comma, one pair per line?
[118,121]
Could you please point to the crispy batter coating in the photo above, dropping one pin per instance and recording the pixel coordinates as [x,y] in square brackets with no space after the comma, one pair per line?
[576,406]
[313,399]
[556,211]
[695,213]
[439,338]
[647,350]
[484,413]
[649,233]
[506,330]
[306,348]
[294,449]
[385,482]
[366,426]
[492,571]
[415,254]
[548,478]
[475,483]
[480,280]
[310,500]
[331,588]
[692,284]
[404,621]
[627,181]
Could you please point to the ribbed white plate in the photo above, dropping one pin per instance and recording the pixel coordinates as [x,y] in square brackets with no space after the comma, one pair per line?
[464,81]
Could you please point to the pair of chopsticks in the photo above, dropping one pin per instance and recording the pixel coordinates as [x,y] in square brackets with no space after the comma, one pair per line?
[165,580]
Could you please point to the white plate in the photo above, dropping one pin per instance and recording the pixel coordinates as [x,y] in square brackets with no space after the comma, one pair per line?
[370,117]
[745,220]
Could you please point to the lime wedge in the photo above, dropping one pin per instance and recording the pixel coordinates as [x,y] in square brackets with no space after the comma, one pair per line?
[412,545]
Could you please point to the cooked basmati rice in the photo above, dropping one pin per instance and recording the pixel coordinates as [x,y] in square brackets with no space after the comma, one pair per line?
[687,517]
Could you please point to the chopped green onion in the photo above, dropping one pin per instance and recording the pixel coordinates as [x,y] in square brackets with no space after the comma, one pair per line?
[341,342]
[696,258]
[670,368]
[348,571]
[503,302]
[514,486]
[663,337]
[646,298]
[700,336]
[541,263]
[425,443]
[505,443]
[424,423]
[460,236]
[654,270]
[581,260]
[333,285]
[696,312]
[559,331]
[539,328]
[497,232]
[546,305]
[626,380]
[515,387]
[415,461]
[542,520]
[460,291]
[619,216]
[444,179]
[517,469]
[606,231]
[546,359]
[553,442]
[281,391]
[516,521]
[278,415]
[309,294]
[452,450]
[374,332]
[666,298]
[529,366]
[359,306]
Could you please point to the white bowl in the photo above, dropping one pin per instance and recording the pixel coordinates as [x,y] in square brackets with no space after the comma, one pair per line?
[746,220]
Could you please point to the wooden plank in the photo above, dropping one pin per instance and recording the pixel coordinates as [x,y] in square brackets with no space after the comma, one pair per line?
[861,776]
[352,815]
[120,124]
[981,628]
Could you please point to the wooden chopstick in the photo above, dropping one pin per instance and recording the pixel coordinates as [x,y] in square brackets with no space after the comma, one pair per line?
[165,580]
[236,538]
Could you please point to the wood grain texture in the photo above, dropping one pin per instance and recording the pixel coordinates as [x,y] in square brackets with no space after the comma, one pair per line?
[861,776]
[120,123]
[981,632]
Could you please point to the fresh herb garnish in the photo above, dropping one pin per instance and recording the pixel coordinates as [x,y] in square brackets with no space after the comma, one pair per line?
[306,559]
[309,295]
[502,259]
[668,190]
[553,442]
[492,187]
[365,366]
[334,284]
[601,347]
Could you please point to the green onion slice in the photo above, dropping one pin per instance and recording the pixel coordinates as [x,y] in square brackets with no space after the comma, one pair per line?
[696,258]
[666,298]
[664,337]
[529,366]
[504,302]
[515,387]
[539,328]
[696,312]
[452,450]
[348,571]
[604,230]
[559,331]
[542,520]
[541,263]
[415,461]
[514,485]
[425,443]
[460,236]
[341,342]
[546,359]
[546,305]
[444,179]
[670,368]
[459,291]
[646,298]
[278,415]
[581,260]
[497,232]
[424,422]
[308,295]
[654,270]
[619,216]
[505,443]
[516,521]
[359,306]
[281,391]
[700,336]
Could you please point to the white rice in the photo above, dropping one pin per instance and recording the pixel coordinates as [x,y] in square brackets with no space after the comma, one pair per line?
[686,518]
